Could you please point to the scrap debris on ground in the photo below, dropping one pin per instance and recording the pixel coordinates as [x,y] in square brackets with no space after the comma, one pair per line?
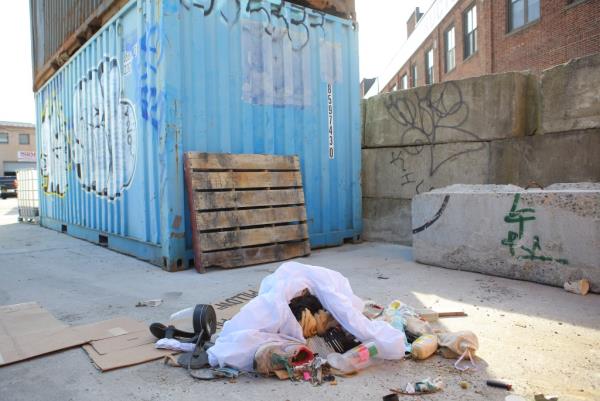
[324,343]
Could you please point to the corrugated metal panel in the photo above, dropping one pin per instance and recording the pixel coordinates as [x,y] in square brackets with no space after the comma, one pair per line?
[60,27]
[230,76]
[53,22]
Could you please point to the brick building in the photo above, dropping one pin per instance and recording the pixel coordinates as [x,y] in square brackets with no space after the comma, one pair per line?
[456,39]
[17,147]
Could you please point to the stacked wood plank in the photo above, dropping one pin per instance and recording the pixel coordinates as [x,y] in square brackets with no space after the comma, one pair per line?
[245,209]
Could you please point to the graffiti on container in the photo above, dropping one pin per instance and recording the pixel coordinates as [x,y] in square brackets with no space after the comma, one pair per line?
[276,68]
[273,71]
[514,239]
[54,149]
[206,7]
[151,99]
[104,143]
[421,117]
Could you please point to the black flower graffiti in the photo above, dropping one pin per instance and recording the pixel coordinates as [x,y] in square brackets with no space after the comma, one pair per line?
[423,115]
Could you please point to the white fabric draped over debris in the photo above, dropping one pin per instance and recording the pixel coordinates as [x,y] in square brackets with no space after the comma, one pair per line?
[268,318]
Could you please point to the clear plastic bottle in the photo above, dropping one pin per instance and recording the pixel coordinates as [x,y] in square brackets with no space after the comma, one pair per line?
[186,313]
[358,358]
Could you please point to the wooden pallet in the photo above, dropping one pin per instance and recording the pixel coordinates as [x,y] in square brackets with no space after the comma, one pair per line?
[245,209]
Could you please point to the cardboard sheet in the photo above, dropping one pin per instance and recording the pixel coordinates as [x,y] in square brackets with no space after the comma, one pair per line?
[227,308]
[125,357]
[137,347]
[129,340]
[27,330]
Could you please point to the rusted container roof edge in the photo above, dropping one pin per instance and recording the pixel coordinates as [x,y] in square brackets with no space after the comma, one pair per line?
[98,18]
[109,8]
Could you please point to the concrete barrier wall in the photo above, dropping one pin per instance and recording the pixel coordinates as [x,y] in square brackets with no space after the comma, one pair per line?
[470,110]
[570,96]
[549,236]
[483,130]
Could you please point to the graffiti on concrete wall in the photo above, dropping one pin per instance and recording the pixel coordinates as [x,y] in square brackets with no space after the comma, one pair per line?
[421,117]
[104,143]
[514,239]
[54,147]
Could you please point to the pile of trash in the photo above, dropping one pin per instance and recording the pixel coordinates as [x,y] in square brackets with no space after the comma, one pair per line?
[307,324]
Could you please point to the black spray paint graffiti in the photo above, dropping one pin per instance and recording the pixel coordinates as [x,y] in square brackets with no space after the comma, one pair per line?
[104,139]
[422,117]
[435,217]
[276,68]
[274,12]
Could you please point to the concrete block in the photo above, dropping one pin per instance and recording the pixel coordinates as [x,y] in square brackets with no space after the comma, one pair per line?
[547,236]
[363,109]
[546,159]
[406,171]
[474,109]
[571,95]
[387,220]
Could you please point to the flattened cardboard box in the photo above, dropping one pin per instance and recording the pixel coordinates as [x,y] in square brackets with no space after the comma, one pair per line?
[27,330]
[138,347]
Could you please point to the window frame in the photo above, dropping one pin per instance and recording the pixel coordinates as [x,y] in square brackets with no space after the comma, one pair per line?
[446,50]
[526,22]
[414,72]
[466,34]
[429,80]
[24,136]
[7,138]
[404,81]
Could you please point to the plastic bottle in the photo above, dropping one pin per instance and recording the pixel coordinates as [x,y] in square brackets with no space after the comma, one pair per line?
[424,346]
[358,358]
[183,314]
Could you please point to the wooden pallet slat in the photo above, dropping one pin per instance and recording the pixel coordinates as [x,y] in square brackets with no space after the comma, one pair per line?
[246,179]
[244,199]
[253,236]
[226,161]
[245,209]
[256,255]
[249,217]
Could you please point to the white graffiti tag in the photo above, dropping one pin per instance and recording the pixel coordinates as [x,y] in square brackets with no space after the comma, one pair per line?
[105,131]
[54,153]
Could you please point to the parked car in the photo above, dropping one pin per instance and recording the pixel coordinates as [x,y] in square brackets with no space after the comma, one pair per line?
[8,187]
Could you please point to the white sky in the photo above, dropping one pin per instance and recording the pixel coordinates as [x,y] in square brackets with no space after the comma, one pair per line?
[382,29]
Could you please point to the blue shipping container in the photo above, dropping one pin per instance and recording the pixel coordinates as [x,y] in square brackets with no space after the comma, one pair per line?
[171,76]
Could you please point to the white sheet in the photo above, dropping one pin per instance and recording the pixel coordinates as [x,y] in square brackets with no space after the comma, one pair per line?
[268,318]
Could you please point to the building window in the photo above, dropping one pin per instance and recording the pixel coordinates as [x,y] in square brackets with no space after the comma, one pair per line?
[522,12]
[429,67]
[3,137]
[23,139]
[394,87]
[414,76]
[470,30]
[404,82]
[449,49]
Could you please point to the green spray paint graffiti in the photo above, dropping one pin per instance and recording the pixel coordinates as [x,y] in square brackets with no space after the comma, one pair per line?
[520,217]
